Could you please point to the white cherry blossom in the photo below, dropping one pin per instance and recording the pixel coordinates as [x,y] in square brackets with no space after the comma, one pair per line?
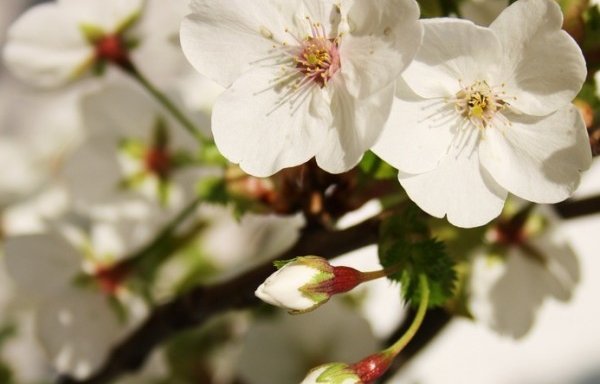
[305,79]
[486,111]
[54,43]
[76,323]
[526,266]
[132,149]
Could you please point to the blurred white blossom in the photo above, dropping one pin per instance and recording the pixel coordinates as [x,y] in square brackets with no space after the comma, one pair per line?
[528,265]
[291,345]
[71,276]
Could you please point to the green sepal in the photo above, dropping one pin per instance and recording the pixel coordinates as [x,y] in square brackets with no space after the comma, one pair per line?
[132,147]
[164,192]
[133,181]
[128,22]
[91,32]
[118,308]
[282,263]
[337,373]
[99,67]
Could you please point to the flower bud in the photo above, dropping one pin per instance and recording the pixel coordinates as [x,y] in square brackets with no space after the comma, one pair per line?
[365,371]
[305,283]
[332,373]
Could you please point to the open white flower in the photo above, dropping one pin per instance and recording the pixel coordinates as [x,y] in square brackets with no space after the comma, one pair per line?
[486,111]
[305,79]
[131,146]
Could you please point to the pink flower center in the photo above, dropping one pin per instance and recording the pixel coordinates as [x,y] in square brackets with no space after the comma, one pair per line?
[319,58]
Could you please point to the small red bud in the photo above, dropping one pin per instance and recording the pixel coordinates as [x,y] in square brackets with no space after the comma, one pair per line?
[345,279]
[112,48]
[158,162]
[111,278]
[372,367]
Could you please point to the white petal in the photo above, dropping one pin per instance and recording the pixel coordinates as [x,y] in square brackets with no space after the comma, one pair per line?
[282,288]
[481,12]
[231,242]
[384,37]
[252,126]
[507,294]
[110,15]
[544,67]
[92,173]
[538,159]
[458,188]
[78,328]
[454,52]
[356,127]
[418,133]
[41,264]
[221,39]
[114,112]
[45,47]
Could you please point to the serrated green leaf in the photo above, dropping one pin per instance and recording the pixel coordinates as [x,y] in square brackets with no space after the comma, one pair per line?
[405,242]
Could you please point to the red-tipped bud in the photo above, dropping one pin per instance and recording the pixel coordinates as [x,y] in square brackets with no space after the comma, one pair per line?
[372,367]
[111,278]
[112,49]
[305,283]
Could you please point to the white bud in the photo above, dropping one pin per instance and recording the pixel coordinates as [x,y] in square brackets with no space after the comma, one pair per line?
[333,373]
[288,287]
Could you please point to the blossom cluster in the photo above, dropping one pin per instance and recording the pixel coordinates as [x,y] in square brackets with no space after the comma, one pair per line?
[465,113]
[174,147]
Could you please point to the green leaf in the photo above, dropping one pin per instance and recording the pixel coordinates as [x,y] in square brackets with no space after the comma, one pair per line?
[405,243]
[376,168]
[210,155]
[214,190]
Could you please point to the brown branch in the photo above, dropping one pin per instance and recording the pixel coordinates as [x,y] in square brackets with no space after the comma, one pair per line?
[195,307]
[570,209]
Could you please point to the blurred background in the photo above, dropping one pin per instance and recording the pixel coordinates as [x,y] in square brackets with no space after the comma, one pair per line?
[53,187]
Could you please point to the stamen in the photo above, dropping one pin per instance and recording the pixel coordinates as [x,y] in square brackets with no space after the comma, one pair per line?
[481,104]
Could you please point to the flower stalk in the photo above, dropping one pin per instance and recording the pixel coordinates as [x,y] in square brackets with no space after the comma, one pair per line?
[159,96]
[374,366]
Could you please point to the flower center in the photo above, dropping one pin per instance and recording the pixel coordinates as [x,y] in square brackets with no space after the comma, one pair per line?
[113,49]
[319,58]
[157,160]
[479,103]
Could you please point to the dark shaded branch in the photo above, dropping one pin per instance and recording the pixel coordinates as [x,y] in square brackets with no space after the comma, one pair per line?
[195,307]
[570,209]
